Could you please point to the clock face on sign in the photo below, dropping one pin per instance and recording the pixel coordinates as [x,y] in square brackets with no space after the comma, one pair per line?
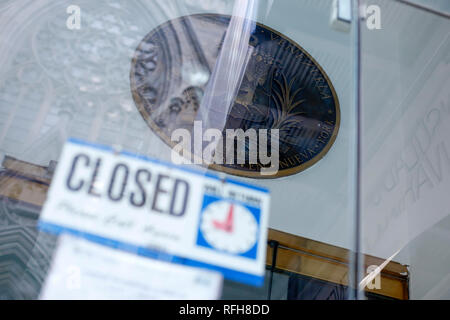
[229,226]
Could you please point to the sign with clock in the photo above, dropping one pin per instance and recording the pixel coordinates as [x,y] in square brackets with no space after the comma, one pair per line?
[159,210]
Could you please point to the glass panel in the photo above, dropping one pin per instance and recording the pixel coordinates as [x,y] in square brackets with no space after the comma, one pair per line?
[405,150]
[129,73]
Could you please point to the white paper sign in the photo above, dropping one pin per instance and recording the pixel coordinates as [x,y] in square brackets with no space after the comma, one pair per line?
[159,210]
[85,270]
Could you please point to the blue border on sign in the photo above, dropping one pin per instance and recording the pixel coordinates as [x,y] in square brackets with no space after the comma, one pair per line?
[168,164]
[154,254]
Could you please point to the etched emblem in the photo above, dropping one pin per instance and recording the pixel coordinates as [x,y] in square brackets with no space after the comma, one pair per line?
[282,88]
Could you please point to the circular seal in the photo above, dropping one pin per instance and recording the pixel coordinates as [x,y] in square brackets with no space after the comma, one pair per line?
[282,92]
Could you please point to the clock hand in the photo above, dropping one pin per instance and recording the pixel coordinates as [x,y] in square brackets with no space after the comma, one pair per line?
[230,218]
[226,225]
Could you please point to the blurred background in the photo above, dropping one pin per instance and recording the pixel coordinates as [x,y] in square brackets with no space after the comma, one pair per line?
[379,197]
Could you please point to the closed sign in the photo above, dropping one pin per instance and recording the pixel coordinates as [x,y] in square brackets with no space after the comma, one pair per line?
[159,210]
